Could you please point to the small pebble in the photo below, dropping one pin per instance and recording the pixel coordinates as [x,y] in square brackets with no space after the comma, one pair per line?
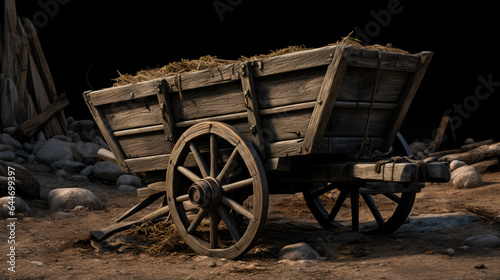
[213,264]
[450,252]
[480,266]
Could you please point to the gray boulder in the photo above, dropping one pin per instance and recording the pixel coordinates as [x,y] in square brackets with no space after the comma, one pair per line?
[129,180]
[85,128]
[127,189]
[9,140]
[456,164]
[466,177]
[5,207]
[79,178]
[107,171]
[483,241]
[298,251]
[69,166]
[9,156]
[55,150]
[69,198]
[88,152]
[87,171]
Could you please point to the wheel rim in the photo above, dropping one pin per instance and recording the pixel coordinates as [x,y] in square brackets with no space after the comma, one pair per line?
[369,211]
[227,175]
[365,199]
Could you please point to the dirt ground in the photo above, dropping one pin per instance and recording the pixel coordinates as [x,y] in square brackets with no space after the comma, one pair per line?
[47,244]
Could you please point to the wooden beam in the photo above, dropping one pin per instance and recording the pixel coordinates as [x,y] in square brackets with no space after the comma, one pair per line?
[406,99]
[28,128]
[252,105]
[326,99]
[168,121]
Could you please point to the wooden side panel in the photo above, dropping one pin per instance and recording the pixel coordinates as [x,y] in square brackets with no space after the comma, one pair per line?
[285,126]
[289,88]
[144,144]
[358,85]
[208,101]
[133,113]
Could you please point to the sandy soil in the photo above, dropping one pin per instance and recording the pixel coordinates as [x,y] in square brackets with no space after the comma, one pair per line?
[47,245]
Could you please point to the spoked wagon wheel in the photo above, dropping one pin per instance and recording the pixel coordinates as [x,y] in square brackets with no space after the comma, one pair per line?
[226,188]
[377,207]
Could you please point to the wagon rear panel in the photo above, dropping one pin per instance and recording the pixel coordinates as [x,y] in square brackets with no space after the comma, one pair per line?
[295,104]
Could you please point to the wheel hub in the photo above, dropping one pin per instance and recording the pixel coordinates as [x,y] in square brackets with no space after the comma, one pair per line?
[206,193]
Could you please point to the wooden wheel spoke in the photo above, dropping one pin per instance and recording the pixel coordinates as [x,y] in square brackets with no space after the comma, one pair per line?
[324,190]
[199,159]
[235,234]
[237,185]
[355,210]
[393,197]
[229,164]
[182,198]
[237,207]
[338,204]
[188,173]
[373,208]
[214,223]
[197,220]
[214,155]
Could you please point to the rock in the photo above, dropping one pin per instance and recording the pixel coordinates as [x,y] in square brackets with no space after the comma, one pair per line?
[483,241]
[107,171]
[469,141]
[27,185]
[130,180]
[56,150]
[40,136]
[6,148]
[69,166]
[69,198]
[28,147]
[8,156]
[85,128]
[88,152]
[456,164]
[19,204]
[436,222]
[79,178]
[480,266]
[127,189]
[87,171]
[8,140]
[466,177]
[62,173]
[298,251]
[417,147]
[11,130]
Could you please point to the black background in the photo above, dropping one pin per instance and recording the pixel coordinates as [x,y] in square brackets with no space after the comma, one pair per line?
[87,42]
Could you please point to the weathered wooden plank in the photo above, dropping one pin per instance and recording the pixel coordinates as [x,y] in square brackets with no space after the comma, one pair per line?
[391,61]
[294,61]
[406,98]
[208,102]
[344,122]
[358,85]
[138,130]
[222,118]
[145,144]
[252,105]
[204,78]
[167,116]
[364,105]
[285,148]
[145,164]
[133,113]
[123,93]
[285,126]
[106,130]
[326,98]
[290,87]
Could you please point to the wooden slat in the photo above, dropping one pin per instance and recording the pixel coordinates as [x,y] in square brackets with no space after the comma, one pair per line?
[391,61]
[123,93]
[138,130]
[145,164]
[326,99]
[406,99]
[133,113]
[221,118]
[106,131]
[346,122]
[167,115]
[252,105]
[144,144]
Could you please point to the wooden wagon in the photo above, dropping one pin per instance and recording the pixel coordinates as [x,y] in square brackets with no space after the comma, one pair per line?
[323,122]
